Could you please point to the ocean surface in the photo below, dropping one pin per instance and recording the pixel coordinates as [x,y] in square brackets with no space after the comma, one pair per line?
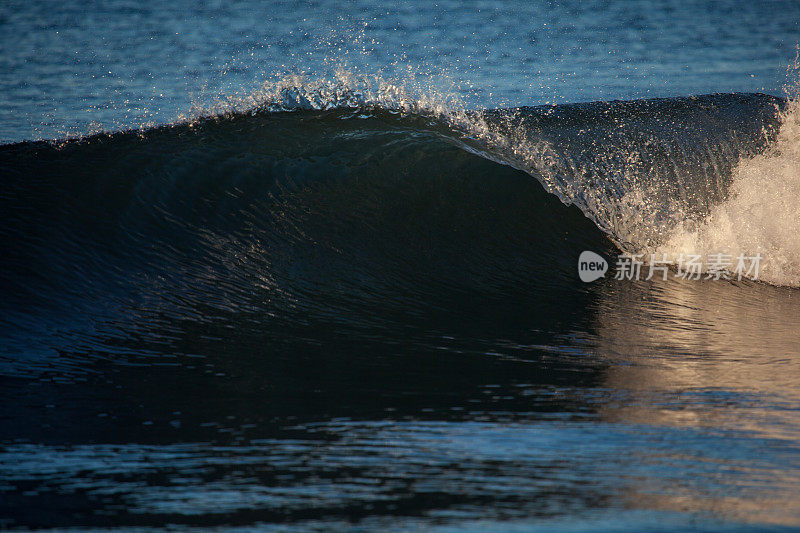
[315,266]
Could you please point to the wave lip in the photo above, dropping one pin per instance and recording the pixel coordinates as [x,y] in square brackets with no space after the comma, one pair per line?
[651,174]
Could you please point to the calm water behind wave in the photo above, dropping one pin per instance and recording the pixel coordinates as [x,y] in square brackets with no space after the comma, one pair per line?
[74,67]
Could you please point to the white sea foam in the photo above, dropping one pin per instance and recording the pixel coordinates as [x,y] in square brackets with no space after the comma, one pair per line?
[761,214]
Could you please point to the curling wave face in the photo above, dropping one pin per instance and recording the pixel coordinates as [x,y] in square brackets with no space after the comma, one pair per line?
[370,211]
[713,174]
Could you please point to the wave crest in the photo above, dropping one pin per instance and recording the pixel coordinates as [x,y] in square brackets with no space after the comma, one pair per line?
[663,175]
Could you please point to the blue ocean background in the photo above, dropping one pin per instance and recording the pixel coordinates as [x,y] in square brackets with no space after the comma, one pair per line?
[75,67]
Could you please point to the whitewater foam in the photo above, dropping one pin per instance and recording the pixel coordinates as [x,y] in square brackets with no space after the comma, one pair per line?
[761,214]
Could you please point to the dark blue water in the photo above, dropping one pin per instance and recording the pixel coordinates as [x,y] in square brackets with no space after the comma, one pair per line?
[313,266]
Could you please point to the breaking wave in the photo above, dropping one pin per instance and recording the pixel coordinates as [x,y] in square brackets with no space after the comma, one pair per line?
[371,206]
[714,174]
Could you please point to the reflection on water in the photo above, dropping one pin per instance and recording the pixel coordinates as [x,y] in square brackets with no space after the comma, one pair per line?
[718,361]
[728,349]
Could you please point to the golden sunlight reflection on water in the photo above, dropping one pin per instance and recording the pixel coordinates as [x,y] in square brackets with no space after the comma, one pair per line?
[719,358]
